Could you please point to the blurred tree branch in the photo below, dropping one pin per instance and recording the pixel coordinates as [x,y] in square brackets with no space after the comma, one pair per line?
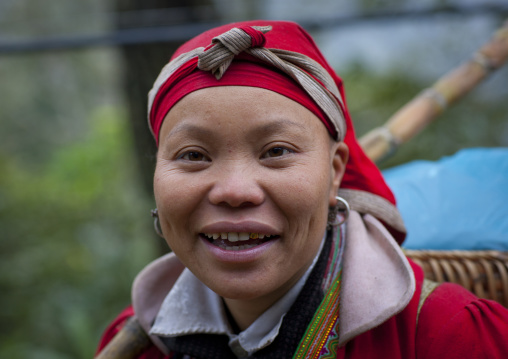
[142,64]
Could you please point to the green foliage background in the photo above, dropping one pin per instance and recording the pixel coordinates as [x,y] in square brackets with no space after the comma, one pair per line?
[72,240]
[74,218]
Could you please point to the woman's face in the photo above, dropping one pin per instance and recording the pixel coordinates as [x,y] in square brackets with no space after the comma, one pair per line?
[252,166]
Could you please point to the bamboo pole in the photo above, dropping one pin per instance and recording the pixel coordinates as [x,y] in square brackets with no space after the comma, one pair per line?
[128,343]
[407,122]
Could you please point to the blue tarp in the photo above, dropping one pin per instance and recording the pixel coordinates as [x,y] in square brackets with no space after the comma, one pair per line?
[458,202]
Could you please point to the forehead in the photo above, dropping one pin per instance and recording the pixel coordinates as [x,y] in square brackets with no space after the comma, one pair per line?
[239,108]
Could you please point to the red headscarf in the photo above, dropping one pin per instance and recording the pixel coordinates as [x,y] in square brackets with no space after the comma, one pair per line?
[362,176]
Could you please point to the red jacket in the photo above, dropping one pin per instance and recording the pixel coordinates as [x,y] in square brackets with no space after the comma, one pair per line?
[453,323]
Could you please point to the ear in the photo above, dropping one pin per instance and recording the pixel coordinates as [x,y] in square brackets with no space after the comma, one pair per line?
[339,157]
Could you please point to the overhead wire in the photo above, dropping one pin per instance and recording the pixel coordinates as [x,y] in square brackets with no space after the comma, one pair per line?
[137,26]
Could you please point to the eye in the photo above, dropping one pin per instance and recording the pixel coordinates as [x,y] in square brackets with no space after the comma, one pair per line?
[276,152]
[193,156]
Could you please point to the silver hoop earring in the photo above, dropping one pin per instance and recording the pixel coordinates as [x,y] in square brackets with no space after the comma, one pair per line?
[338,214]
[156,225]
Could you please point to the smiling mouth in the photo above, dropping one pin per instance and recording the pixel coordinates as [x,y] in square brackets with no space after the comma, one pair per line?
[237,241]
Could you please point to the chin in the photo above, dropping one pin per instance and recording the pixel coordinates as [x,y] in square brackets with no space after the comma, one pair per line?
[242,294]
[238,289]
[246,288]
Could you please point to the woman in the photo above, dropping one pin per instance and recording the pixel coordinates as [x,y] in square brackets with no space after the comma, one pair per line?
[276,219]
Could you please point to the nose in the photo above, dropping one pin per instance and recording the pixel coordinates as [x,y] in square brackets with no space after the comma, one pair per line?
[236,186]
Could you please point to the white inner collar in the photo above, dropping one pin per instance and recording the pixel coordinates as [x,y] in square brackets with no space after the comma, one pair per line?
[191,308]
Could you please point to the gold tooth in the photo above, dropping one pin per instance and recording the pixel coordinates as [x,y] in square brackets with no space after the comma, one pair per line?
[253,235]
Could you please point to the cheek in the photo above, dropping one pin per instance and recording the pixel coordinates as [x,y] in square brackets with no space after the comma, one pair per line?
[305,196]
[176,197]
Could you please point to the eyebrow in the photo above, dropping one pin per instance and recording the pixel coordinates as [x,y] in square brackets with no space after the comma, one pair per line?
[267,128]
[189,128]
[278,125]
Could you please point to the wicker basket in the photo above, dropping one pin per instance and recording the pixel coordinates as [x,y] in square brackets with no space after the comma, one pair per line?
[485,273]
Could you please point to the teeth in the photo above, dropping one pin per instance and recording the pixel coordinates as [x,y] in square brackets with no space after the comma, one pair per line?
[236,236]
[237,248]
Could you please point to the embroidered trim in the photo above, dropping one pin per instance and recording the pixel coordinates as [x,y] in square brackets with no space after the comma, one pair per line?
[321,336]
[331,347]
[325,319]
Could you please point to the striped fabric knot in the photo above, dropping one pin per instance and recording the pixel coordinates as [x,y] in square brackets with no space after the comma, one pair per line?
[218,57]
[258,38]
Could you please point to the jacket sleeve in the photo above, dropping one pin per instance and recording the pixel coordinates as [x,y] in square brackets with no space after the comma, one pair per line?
[454,323]
[151,353]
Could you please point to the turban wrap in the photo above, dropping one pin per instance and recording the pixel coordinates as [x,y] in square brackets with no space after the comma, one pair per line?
[281,57]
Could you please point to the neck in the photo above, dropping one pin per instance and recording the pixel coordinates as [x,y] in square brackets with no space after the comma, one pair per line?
[244,312]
